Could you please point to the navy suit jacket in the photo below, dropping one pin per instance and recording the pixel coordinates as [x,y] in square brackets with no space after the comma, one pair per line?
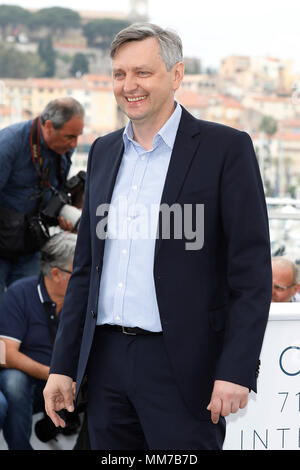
[213,302]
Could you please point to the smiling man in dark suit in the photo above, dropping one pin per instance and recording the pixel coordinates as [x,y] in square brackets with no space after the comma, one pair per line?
[167,331]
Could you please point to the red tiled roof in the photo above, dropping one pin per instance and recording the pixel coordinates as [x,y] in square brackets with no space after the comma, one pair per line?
[287,136]
[191,99]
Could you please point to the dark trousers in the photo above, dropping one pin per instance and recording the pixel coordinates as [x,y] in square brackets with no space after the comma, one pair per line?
[134,402]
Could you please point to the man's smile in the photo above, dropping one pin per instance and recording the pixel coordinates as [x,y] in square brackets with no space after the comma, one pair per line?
[135,98]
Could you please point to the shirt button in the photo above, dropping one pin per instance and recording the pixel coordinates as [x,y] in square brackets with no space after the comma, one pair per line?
[120,284]
[134,187]
[124,252]
[118,318]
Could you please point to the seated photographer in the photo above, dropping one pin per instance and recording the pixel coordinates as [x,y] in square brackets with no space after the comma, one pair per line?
[35,159]
[29,314]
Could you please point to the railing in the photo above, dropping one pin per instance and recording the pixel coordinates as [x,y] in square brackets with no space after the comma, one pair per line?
[283,208]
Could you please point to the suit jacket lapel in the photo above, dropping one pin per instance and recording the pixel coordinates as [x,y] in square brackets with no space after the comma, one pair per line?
[185,146]
[108,169]
[117,150]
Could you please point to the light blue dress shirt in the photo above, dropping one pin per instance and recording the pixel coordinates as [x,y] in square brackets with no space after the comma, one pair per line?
[127,294]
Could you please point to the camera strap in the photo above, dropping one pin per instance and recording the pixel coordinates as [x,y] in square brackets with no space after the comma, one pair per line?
[36,155]
[37,158]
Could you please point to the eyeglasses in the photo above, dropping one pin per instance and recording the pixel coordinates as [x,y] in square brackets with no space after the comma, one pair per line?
[64,270]
[282,288]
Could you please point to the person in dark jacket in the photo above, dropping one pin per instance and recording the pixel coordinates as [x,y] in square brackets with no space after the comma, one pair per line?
[165,324]
[34,155]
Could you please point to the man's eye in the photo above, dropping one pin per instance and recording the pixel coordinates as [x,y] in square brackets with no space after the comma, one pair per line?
[118,75]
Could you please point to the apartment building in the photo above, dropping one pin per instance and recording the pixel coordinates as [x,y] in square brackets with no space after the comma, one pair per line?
[32,95]
[261,74]
[279,107]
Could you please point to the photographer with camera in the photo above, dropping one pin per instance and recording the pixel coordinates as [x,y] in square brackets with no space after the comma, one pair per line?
[29,315]
[64,205]
[35,159]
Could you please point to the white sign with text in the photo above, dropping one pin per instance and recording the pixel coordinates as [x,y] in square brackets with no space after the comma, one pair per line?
[271,420]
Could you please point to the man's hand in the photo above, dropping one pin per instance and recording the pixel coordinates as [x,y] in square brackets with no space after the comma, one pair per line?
[227,398]
[65,224]
[58,394]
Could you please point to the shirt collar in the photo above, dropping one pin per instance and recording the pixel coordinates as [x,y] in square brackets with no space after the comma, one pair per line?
[167,132]
[42,291]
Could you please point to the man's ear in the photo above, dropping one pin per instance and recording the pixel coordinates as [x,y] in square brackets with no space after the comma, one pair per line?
[55,274]
[48,125]
[178,73]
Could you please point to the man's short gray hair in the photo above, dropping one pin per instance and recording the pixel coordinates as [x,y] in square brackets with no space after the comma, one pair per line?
[61,110]
[289,264]
[169,41]
[58,252]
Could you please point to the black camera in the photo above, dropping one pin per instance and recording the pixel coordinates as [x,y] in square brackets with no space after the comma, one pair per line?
[36,233]
[63,202]
[46,430]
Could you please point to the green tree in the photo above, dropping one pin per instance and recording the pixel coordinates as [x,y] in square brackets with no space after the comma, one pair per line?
[101,32]
[268,125]
[56,18]
[11,16]
[47,55]
[15,64]
[192,66]
[80,64]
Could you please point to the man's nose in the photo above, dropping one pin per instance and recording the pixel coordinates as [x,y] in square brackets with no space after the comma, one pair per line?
[74,142]
[129,83]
